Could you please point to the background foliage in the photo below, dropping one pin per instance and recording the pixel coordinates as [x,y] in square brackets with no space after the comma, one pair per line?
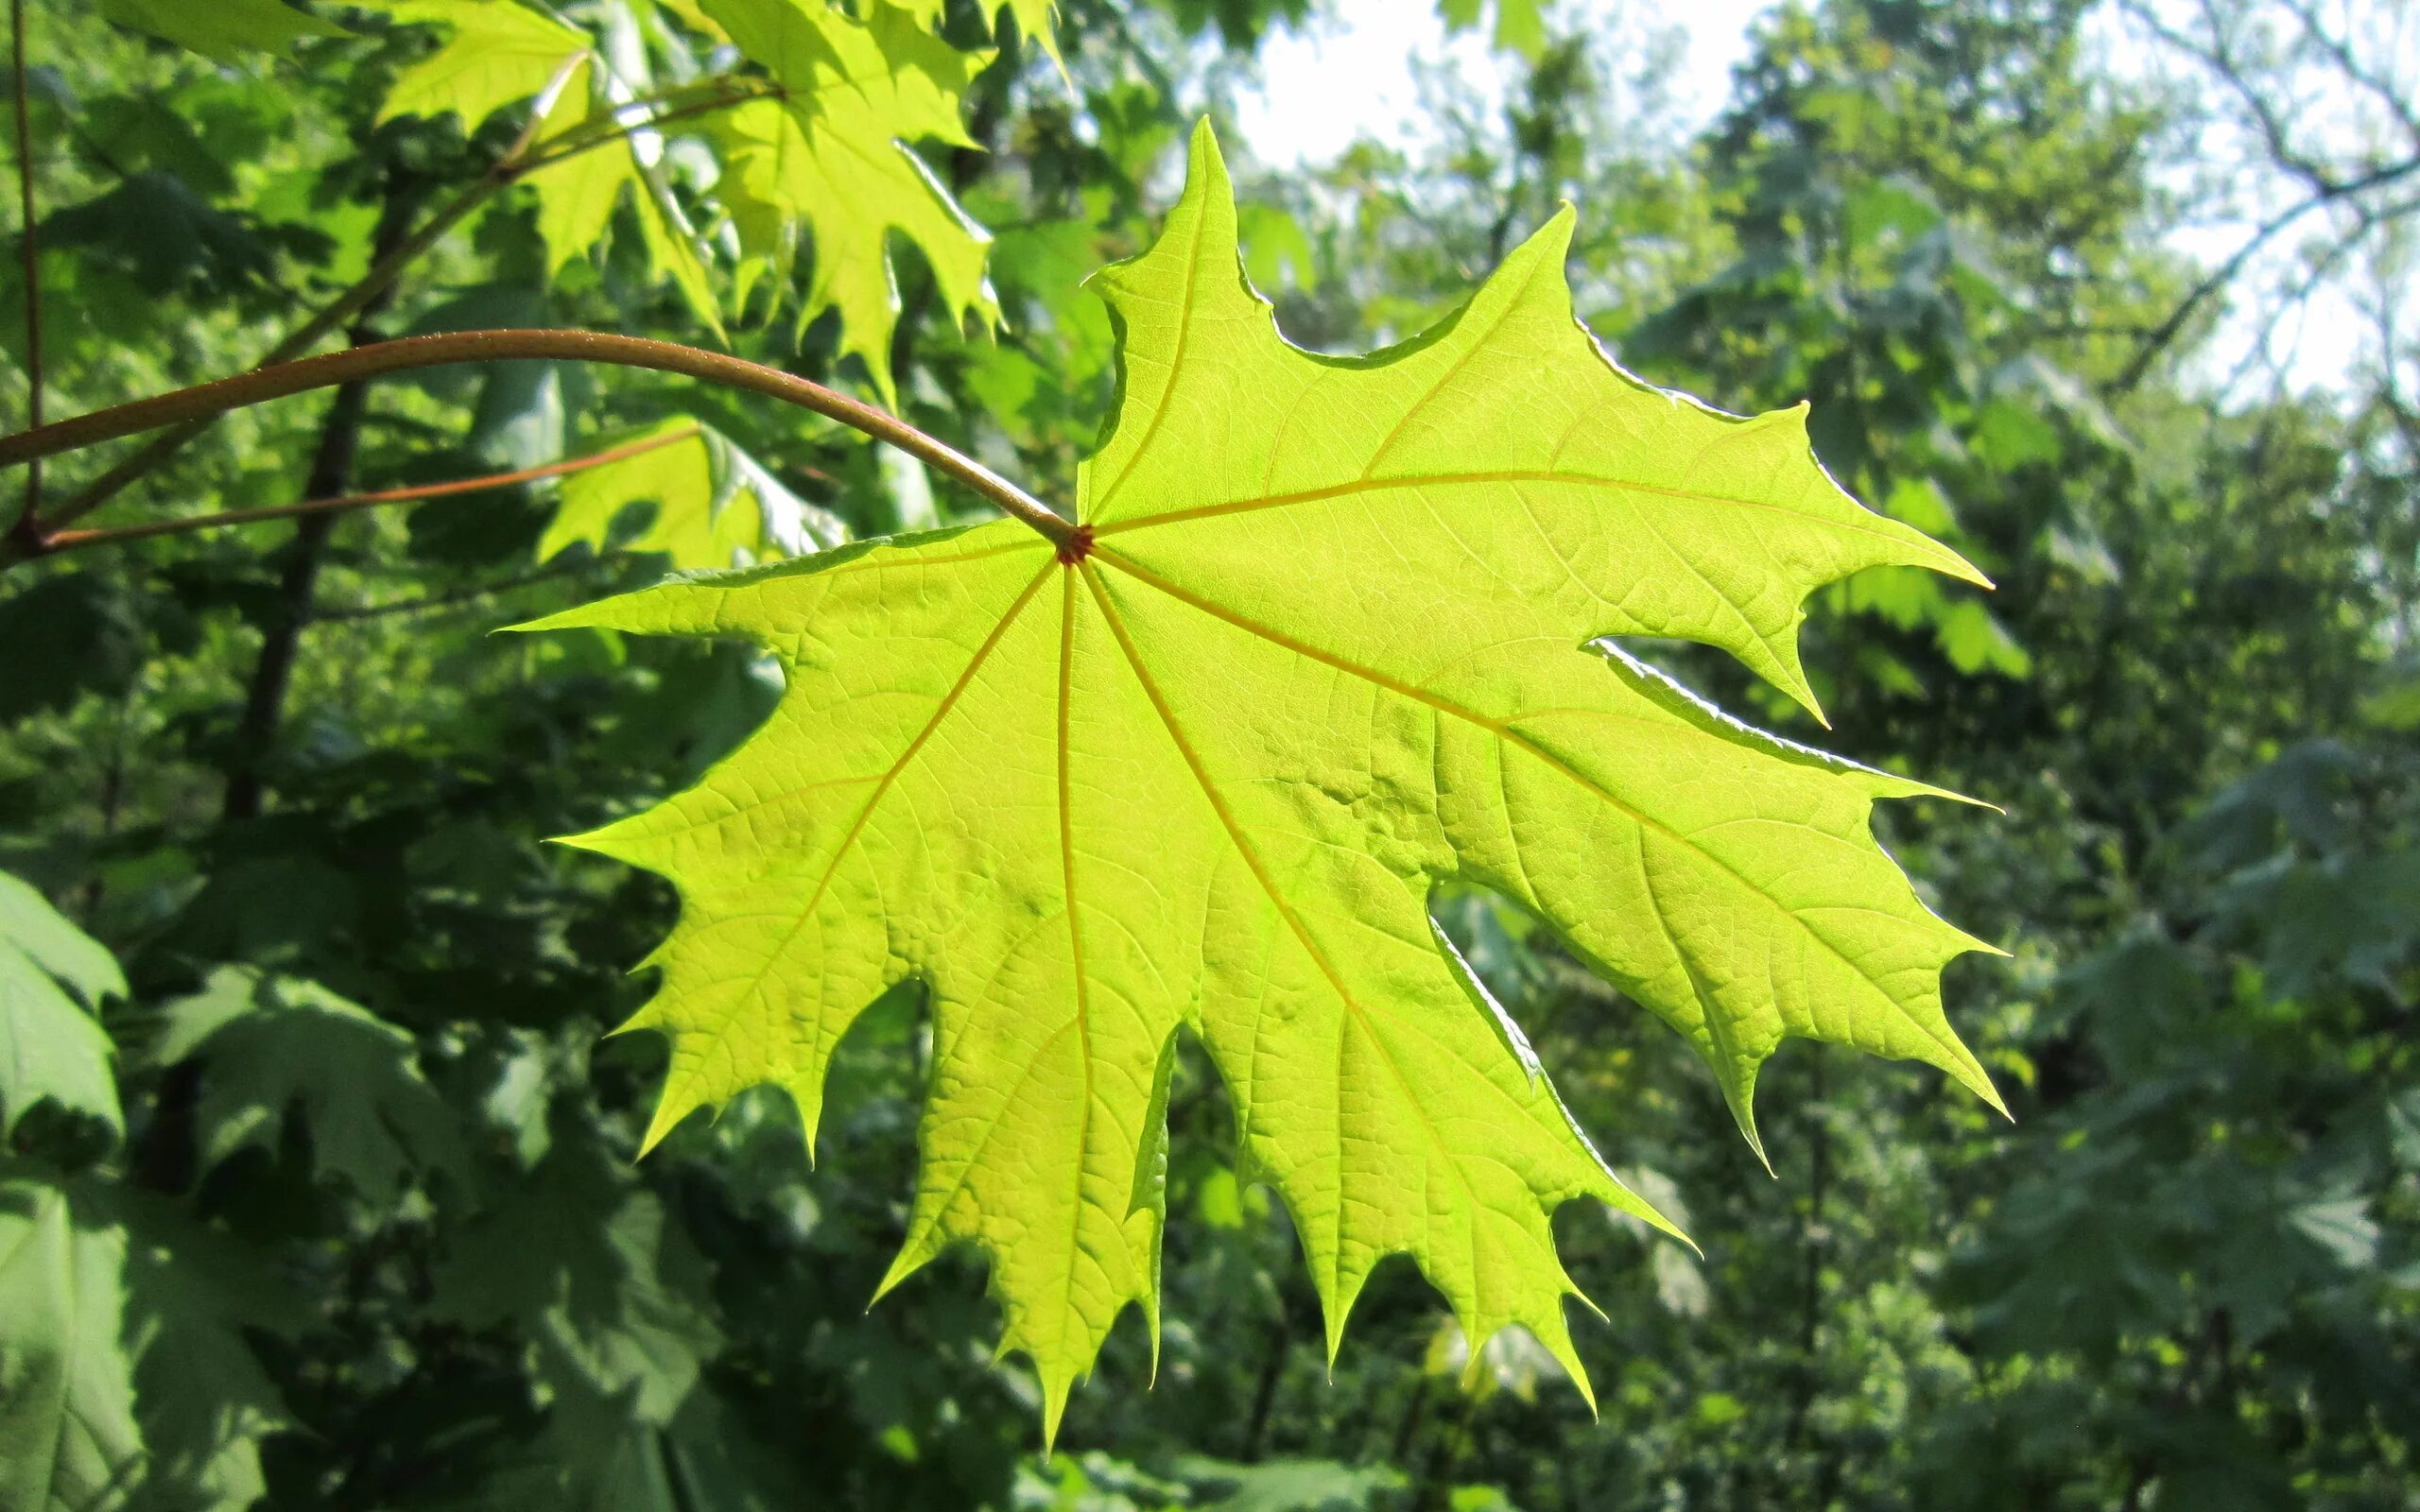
[317,1188]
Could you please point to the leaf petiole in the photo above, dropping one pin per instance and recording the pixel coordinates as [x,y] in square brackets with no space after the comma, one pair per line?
[187,408]
[54,543]
[527,155]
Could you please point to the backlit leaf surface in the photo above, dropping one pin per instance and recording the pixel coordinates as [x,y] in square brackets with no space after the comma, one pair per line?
[53,978]
[714,505]
[497,53]
[1033,19]
[818,169]
[827,163]
[1332,639]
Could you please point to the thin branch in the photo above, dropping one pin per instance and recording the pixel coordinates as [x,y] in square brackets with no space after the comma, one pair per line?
[2296,301]
[2341,52]
[2219,277]
[722,92]
[426,603]
[2220,57]
[186,406]
[74,540]
[527,155]
[29,248]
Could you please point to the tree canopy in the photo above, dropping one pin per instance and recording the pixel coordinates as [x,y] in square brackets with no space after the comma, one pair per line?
[320,1175]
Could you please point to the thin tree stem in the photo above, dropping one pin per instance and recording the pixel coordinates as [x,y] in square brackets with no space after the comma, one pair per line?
[77,540]
[29,248]
[339,614]
[256,728]
[583,138]
[527,155]
[187,406]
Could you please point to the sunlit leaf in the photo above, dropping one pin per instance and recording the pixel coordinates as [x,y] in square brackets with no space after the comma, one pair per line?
[499,52]
[68,1439]
[1328,639]
[714,505]
[828,164]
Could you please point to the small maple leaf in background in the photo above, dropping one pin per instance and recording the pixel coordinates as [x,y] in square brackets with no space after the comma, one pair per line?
[819,168]
[713,506]
[1329,636]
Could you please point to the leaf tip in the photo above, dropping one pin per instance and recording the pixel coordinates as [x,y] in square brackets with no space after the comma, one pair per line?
[1552,1331]
[903,1265]
[1624,1200]
[669,1110]
[1982,1087]
[1202,147]
[1332,1319]
[1740,1096]
[1056,1382]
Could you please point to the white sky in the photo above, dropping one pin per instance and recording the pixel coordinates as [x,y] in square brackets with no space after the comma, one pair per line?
[1349,74]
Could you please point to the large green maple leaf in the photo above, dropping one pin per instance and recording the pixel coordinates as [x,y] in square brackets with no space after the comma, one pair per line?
[1329,637]
[68,1437]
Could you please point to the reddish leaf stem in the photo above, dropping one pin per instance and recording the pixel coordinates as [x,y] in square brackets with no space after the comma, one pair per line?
[527,155]
[187,406]
[74,540]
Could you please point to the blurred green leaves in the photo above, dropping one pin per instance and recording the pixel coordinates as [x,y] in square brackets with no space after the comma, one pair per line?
[713,505]
[267,1047]
[52,980]
[226,30]
[68,1440]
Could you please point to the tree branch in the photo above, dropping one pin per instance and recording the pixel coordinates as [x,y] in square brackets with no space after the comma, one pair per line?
[51,544]
[188,406]
[526,156]
[2219,277]
[29,248]
[2379,85]
[322,613]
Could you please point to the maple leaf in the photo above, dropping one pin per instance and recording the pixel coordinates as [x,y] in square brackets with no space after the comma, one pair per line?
[497,54]
[267,1044]
[51,1047]
[1328,637]
[223,30]
[828,160]
[823,167]
[1033,19]
[715,504]
[68,1436]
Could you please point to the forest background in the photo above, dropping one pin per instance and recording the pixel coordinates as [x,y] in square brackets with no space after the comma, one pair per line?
[319,1187]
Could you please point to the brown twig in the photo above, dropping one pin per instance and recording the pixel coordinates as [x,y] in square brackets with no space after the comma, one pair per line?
[425,603]
[2216,280]
[526,156]
[29,248]
[186,406]
[2324,183]
[74,540]
[547,154]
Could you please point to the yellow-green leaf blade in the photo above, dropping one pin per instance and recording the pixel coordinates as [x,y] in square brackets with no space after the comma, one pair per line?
[498,52]
[1330,639]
